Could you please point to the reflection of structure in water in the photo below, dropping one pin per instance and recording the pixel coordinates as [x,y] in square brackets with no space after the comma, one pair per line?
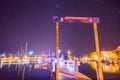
[111,68]
[107,68]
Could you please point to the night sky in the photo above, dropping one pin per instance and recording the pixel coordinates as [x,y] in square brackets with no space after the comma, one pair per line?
[31,21]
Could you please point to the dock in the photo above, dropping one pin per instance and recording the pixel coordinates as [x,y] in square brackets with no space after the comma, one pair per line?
[72,75]
[68,69]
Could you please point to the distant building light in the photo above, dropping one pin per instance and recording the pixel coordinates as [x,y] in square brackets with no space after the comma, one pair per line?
[31,52]
[39,62]
[3,55]
[59,51]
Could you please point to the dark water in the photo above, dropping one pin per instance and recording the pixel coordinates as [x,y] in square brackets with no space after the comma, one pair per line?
[23,72]
[88,71]
[110,72]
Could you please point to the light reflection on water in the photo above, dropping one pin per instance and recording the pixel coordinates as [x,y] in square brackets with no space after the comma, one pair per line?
[111,68]
[22,72]
[110,71]
[107,68]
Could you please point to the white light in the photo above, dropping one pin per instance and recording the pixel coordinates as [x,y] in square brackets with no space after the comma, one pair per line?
[31,52]
[27,61]
[59,51]
[71,69]
[3,55]
[61,63]
[55,61]
[16,57]
[39,62]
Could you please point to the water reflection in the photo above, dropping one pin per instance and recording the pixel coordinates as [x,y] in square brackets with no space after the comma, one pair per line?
[23,74]
[1,65]
[111,68]
[21,71]
[107,68]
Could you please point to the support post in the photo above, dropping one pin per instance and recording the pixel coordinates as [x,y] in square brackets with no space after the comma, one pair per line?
[99,64]
[76,66]
[57,51]
[26,46]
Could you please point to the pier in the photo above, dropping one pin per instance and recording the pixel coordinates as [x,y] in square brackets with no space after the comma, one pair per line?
[68,69]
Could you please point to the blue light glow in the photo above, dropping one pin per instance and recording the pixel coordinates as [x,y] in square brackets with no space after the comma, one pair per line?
[39,62]
[61,63]
[31,52]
